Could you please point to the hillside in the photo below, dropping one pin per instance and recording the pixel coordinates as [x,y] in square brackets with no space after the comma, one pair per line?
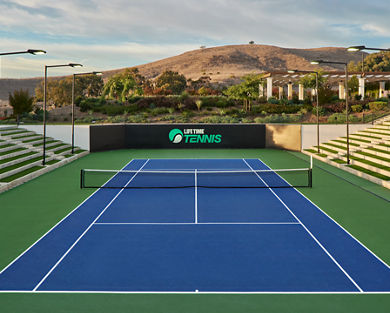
[222,64]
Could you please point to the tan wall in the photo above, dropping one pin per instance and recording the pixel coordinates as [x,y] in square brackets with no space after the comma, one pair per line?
[283,137]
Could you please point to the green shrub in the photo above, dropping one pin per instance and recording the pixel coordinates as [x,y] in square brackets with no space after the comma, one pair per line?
[159,111]
[219,119]
[279,118]
[273,100]
[357,108]
[377,105]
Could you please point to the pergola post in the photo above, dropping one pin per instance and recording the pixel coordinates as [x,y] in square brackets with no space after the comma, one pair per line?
[341,90]
[261,90]
[289,91]
[269,87]
[281,90]
[301,95]
[362,87]
[381,89]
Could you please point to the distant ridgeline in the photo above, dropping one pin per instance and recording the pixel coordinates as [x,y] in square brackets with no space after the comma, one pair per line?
[8,85]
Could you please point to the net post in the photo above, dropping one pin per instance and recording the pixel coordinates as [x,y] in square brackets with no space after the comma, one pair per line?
[81,179]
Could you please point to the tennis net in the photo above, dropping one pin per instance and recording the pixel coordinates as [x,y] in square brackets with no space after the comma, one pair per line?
[128,179]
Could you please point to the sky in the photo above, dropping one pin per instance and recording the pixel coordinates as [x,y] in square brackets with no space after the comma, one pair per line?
[111,34]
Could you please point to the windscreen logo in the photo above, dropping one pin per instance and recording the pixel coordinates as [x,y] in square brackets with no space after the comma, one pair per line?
[193,136]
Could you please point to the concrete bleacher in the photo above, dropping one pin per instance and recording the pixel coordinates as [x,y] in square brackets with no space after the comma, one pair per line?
[21,155]
[369,151]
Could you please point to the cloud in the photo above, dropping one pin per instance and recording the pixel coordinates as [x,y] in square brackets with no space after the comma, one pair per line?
[92,56]
[122,32]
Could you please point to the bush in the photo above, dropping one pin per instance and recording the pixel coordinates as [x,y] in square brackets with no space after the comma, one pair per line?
[337,118]
[321,111]
[273,100]
[383,99]
[377,105]
[90,104]
[279,118]
[159,111]
[219,119]
[357,108]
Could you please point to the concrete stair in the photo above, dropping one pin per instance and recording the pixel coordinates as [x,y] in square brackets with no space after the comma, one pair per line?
[27,157]
[369,149]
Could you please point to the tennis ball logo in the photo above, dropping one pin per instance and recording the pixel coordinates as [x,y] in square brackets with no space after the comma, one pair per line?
[175,135]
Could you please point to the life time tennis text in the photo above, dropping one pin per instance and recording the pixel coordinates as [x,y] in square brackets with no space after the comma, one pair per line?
[197,135]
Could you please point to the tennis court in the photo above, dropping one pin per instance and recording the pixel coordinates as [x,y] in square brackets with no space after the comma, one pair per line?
[197,225]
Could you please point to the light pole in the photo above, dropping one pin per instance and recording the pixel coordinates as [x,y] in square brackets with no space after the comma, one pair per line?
[31,51]
[360,48]
[346,96]
[44,104]
[73,107]
[318,104]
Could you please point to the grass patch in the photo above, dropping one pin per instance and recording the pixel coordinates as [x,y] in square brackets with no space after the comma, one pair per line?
[328,149]
[27,136]
[20,156]
[336,146]
[339,161]
[384,145]
[52,162]
[63,150]
[15,166]
[357,139]
[367,136]
[350,143]
[16,132]
[20,174]
[384,129]
[12,151]
[47,142]
[383,167]
[364,170]
[371,132]
[378,150]
[311,150]
[31,140]
[373,156]
[56,146]
[7,145]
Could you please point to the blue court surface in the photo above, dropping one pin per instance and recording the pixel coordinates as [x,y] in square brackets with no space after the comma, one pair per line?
[197,239]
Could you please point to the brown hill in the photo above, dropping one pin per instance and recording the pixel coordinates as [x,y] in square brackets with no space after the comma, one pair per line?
[226,62]
[222,64]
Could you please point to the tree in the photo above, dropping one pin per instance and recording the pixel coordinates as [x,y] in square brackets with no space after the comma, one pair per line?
[375,62]
[124,85]
[21,102]
[89,85]
[246,91]
[172,82]
[309,80]
[59,91]
[251,42]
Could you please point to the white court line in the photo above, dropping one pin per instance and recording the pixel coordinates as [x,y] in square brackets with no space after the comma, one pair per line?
[85,231]
[25,251]
[308,231]
[198,292]
[323,212]
[196,197]
[210,223]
